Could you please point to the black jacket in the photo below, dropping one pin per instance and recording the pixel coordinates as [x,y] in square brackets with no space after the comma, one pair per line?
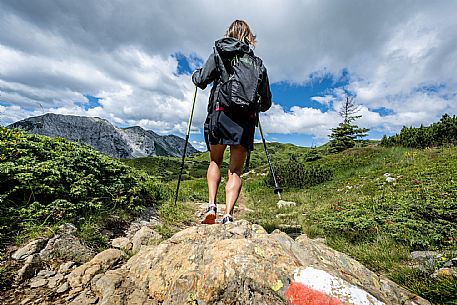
[227,48]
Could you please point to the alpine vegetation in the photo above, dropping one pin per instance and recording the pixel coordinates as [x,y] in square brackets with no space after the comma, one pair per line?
[46,181]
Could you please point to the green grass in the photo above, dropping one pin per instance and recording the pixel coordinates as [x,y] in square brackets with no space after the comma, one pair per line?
[174,217]
[374,221]
[167,168]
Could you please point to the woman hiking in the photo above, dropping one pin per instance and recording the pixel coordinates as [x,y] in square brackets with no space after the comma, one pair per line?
[240,90]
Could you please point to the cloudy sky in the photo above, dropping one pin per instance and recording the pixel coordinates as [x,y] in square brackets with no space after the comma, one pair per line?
[130,61]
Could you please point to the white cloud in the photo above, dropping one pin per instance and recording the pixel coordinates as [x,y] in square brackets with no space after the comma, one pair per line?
[201,146]
[123,54]
[324,100]
[299,120]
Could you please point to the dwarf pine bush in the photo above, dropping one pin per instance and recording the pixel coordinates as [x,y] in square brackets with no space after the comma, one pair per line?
[295,174]
[441,133]
[46,181]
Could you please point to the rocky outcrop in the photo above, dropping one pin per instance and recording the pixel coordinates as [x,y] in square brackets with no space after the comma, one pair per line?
[238,263]
[130,142]
[64,245]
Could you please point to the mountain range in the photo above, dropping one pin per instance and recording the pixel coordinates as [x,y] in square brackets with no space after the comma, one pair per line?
[130,142]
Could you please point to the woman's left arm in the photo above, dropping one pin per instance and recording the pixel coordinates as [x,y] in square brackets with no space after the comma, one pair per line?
[206,75]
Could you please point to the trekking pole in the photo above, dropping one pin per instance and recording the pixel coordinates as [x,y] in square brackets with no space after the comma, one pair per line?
[248,161]
[278,189]
[185,145]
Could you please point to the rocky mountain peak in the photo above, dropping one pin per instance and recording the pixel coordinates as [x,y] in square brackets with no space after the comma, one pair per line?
[99,133]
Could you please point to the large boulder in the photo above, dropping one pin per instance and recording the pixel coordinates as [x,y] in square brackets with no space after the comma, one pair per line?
[66,245]
[238,263]
[100,263]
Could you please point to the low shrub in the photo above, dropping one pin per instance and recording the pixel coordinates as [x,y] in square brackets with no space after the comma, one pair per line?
[46,181]
[441,133]
[295,174]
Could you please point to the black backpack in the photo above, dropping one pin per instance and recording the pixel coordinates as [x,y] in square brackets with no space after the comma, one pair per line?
[240,79]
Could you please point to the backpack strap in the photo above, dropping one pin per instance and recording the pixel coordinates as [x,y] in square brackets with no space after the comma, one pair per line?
[220,66]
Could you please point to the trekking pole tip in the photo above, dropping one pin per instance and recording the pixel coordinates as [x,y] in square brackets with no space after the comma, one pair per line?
[278,191]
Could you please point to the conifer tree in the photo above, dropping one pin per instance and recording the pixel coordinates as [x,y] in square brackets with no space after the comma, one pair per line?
[346,134]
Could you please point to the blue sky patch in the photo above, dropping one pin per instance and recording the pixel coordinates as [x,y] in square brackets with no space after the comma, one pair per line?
[383,111]
[431,88]
[320,84]
[187,64]
[5,103]
[93,102]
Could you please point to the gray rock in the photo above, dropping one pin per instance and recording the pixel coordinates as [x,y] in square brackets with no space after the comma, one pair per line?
[46,273]
[66,267]
[55,280]
[426,258]
[31,266]
[423,255]
[121,243]
[285,204]
[320,240]
[38,282]
[289,227]
[67,229]
[103,136]
[107,285]
[29,249]
[154,221]
[86,297]
[143,237]
[451,263]
[63,288]
[148,217]
[67,246]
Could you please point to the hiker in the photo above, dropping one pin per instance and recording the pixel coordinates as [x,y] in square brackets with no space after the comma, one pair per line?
[240,90]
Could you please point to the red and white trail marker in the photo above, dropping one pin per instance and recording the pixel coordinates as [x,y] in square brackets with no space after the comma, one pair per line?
[317,287]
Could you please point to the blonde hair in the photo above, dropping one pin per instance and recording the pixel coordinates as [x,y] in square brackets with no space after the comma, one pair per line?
[240,30]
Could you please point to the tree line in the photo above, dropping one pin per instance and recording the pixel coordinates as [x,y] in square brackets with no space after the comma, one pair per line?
[441,133]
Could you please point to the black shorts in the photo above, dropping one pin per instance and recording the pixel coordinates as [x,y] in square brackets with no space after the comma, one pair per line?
[222,127]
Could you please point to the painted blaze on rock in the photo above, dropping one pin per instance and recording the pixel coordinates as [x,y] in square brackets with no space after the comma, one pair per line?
[313,286]
[241,263]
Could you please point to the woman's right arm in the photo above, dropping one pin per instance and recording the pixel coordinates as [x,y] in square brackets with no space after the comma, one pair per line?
[206,75]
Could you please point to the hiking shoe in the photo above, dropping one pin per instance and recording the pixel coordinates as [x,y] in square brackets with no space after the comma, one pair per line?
[210,215]
[227,219]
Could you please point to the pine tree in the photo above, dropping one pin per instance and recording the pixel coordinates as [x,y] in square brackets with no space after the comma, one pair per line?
[346,134]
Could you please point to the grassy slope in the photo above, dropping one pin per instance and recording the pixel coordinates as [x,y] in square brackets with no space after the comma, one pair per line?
[375,221]
[424,190]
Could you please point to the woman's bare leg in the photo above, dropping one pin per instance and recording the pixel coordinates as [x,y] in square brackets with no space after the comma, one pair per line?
[232,189]
[213,175]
